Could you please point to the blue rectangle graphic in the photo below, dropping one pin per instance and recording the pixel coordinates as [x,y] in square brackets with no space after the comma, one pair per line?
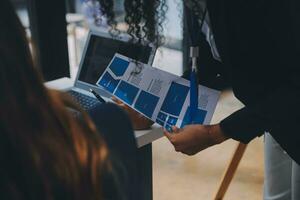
[126,92]
[108,82]
[168,128]
[160,122]
[198,118]
[162,116]
[118,66]
[172,120]
[146,103]
[175,99]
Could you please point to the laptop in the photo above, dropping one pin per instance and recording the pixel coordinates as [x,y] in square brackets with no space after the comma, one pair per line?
[97,54]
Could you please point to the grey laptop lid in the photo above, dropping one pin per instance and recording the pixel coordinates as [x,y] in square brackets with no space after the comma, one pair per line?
[99,50]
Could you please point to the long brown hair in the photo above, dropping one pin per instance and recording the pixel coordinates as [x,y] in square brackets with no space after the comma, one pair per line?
[45,153]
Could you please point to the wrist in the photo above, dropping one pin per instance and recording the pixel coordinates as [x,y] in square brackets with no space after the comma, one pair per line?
[217,134]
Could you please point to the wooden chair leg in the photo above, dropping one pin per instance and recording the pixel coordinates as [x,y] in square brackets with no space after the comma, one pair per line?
[230,171]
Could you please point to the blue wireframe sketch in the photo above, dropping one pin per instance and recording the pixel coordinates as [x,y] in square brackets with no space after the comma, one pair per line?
[126,92]
[108,82]
[199,117]
[119,66]
[146,103]
[172,120]
[175,98]
[162,116]
[160,122]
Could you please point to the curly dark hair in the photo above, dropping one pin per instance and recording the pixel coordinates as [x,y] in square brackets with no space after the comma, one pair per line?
[145,18]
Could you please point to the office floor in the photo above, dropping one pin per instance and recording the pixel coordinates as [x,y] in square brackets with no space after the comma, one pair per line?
[178,177]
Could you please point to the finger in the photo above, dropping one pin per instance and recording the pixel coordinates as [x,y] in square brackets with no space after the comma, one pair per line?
[175,129]
[168,135]
[116,100]
[123,106]
[119,103]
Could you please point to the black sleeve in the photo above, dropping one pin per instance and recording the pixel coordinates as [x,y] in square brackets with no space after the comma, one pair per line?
[278,112]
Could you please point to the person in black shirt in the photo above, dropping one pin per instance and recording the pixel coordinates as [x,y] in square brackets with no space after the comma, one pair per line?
[258,45]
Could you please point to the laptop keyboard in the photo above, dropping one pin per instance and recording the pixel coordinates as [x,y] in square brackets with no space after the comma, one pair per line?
[84,101]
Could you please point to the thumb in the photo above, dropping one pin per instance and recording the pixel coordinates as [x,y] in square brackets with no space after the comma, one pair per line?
[168,135]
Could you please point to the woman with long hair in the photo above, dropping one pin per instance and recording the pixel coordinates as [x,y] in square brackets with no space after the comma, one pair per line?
[45,152]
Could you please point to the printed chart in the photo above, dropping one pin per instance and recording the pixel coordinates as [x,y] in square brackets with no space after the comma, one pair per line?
[158,95]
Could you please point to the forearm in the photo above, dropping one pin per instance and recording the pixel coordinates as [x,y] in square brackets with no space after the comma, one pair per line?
[216,133]
[273,112]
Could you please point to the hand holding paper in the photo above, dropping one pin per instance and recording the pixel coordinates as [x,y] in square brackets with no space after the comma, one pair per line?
[194,138]
[139,121]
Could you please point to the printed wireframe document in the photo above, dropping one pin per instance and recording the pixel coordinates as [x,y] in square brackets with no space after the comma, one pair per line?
[160,96]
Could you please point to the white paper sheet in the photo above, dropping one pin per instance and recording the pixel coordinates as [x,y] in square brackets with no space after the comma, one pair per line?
[158,95]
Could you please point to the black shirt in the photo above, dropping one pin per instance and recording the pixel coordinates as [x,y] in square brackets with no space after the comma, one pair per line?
[258,42]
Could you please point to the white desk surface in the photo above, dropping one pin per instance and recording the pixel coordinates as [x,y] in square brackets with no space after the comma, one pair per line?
[143,137]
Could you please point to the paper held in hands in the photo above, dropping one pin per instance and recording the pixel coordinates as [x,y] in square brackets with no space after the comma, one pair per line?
[158,95]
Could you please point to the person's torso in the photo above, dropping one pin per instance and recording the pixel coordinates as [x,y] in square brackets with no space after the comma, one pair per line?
[254,58]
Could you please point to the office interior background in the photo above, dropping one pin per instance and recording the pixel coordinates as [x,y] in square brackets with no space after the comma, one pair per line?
[175,176]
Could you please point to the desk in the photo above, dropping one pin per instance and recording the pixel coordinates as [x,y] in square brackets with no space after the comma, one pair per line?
[144,138]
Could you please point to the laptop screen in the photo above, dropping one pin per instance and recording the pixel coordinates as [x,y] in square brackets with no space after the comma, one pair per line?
[101,50]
